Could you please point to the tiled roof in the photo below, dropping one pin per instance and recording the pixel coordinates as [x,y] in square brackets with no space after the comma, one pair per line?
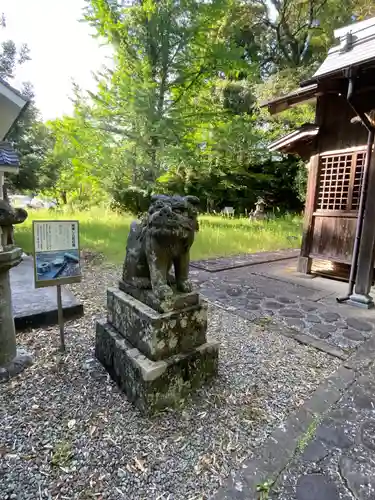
[8,157]
[357,46]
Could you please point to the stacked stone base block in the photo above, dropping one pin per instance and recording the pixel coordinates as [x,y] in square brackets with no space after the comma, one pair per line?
[157,359]
[156,335]
[153,385]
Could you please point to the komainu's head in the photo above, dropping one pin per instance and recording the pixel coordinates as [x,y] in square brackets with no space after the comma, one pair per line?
[173,216]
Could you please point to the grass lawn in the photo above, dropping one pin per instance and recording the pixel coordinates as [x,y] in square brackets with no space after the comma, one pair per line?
[106,233]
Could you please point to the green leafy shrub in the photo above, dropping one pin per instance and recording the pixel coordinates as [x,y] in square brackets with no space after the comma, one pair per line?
[131,199]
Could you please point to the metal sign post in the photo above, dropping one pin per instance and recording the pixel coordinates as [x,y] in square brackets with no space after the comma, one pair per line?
[56,260]
[60,315]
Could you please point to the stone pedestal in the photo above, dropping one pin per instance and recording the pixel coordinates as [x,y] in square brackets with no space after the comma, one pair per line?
[156,358]
[12,361]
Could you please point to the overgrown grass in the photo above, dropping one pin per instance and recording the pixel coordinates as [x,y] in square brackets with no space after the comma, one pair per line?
[106,232]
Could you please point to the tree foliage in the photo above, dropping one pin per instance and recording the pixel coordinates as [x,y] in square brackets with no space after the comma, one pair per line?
[10,55]
[29,136]
[178,110]
[165,53]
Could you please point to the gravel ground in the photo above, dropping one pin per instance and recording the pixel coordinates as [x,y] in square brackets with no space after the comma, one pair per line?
[68,433]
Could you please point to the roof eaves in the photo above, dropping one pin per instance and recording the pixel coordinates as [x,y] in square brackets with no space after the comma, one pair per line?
[17,92]
[22,110]
[306,132]
[294,94]
[286,101]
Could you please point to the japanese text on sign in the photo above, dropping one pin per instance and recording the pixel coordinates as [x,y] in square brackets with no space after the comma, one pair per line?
[53,236]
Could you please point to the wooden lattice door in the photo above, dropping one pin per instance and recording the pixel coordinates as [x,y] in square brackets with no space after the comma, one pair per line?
[335,183]
[339,182]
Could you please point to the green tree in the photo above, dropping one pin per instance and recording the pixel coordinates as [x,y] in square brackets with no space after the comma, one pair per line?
[29,136]
[298,34]
[165,52]
[80,160]
[178,110]
[10,55]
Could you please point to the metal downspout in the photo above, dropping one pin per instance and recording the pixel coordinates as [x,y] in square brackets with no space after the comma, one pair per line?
[363,196]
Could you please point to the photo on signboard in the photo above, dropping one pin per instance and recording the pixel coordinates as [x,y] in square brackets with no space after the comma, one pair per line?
[56,265]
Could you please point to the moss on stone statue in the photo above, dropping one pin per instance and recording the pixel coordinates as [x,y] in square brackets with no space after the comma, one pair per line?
[154,385]
[157,335]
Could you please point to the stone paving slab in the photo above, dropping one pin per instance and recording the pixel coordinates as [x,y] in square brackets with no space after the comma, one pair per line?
[38,307]
[287,271]
[308,308]
[324,451]
[243,260]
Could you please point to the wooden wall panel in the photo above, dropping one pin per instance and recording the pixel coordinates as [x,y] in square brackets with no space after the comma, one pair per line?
[333,116]
[333,238]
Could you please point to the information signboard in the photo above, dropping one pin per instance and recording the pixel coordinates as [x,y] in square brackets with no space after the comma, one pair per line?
[56,252]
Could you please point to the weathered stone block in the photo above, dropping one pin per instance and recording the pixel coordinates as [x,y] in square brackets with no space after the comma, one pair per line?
[156,335]
[147,296]
[153,385]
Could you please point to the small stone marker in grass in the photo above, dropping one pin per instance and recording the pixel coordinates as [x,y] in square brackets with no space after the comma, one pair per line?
[228,211]
[153,342]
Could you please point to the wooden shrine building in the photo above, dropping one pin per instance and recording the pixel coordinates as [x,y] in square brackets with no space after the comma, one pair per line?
[12,105]
[339,222]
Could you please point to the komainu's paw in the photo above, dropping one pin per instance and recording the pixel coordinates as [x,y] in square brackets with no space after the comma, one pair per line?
[163,292]
[184,286]
[171,279]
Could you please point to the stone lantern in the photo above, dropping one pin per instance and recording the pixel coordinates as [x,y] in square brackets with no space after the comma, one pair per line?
[12,360]
[258,213]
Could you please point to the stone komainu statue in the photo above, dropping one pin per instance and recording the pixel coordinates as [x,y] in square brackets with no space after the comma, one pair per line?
[162,239]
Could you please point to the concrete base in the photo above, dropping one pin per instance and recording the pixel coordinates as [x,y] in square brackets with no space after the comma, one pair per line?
[154,385]
[362,301]
[21,361]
